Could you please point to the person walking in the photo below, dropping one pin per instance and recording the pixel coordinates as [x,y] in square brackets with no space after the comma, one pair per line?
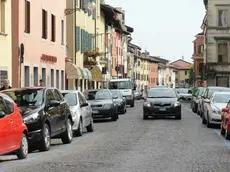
[41,83]
[6,85]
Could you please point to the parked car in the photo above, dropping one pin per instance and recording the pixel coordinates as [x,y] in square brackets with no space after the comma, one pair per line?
[184,93]
[213,107]
[137,95]
[120,101]
[196,97]
[45,113]
[13,132]
[162,102]
[81,111]
[207,95]
[102,104]
[225,121]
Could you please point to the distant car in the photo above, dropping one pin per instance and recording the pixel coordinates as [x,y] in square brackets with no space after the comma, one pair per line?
[45,113]
[162,102]
[213,108]
[137,95]
[81,111]
[102,104]
[13,132]
[120,101]
[184,93]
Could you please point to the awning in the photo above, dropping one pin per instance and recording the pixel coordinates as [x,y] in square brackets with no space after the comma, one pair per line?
[96,74]
[76,72]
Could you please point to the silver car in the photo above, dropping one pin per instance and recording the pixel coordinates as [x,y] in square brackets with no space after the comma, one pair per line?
[214,106]
[81,111]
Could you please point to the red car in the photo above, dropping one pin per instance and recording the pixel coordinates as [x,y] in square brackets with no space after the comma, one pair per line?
[13,132]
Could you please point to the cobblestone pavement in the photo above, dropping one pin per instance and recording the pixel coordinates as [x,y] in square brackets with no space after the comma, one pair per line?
[134,145]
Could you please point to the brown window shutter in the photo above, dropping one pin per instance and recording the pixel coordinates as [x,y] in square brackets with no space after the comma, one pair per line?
[28,17]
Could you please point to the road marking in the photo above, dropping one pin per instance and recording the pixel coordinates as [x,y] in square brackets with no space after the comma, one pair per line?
[226,142]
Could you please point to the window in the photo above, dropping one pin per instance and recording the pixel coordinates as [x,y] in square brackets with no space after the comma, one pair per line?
[223,18]
[53,28]
[170,79]
[27,76]
[222,52]
[70,98]
[57,95]
[49,96]
[52,77]
[3,76]
[57,79]
[62,32]
[35,76]
[27,16]
[185,72]
[62,80]
[9,106]
[2,107]
[44,24]
[2,16]
[44,75]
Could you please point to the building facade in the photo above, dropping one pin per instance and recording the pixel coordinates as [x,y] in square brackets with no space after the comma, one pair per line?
[182,72]
[198,58]
[6,40]
[42,36]
[217,38]
[170,76]
[153,72]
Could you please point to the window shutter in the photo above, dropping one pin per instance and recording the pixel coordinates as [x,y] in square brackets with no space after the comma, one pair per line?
[79,38]
[94,11]
[85,5]
[76,3]
[82,40]
[90,41]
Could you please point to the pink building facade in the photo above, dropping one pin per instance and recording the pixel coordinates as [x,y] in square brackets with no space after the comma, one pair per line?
[42,33]
[153,74]
[117,55]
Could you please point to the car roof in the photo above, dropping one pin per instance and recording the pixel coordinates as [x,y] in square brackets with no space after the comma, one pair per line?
[215,87]
[26,88]
[99,90]
[70,91]
[221,93]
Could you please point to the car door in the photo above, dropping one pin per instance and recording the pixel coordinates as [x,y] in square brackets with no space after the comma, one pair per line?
[84,109]
[52,112]
[203,100]
[6,134]
[62,116]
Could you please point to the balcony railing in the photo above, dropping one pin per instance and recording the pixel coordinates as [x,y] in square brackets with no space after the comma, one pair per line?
[218,67]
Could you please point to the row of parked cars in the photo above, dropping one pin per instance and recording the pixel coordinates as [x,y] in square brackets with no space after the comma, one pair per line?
[212,104]
[30,117]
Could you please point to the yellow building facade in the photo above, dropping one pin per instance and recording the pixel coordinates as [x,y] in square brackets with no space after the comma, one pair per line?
[5,41]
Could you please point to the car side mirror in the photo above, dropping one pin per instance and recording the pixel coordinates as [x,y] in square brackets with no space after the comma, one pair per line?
[225,110]
[84,104]
[115,97]
[2,114]
[54,103]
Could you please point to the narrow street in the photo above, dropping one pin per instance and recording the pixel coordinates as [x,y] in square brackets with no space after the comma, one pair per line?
[132,144]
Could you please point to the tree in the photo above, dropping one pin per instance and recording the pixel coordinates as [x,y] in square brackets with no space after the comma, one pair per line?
[191,76]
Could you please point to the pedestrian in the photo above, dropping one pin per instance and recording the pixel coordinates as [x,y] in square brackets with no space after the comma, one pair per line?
[86,93]
[6,85]
[41,83]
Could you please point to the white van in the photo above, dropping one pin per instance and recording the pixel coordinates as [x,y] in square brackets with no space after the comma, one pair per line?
[126,86]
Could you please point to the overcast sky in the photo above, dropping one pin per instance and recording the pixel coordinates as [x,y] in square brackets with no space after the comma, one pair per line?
[165,28]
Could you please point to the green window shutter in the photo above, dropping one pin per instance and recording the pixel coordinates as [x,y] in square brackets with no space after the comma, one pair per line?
[84,48]
[79,40]
[88,42]
[82,40]
[76,38]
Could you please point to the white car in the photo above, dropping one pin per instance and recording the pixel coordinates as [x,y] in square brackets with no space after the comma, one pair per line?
[81,111]
[213,108]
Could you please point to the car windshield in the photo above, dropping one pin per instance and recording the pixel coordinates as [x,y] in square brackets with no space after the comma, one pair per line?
[161,93]
[99,95]
[70,98]
[27,97]
[211,91]
[116,94]
[120,85]
[221,98]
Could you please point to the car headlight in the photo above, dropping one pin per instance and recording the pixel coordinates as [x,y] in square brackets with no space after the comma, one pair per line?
[216,111]
[73,113]
[31,118]
[147,104]
[176,104]
[107,106]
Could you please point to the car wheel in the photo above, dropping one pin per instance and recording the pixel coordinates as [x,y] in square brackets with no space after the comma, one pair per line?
[227,136]
[178,117]
[203,120]
[23,150]
[46,138]
[145,116]
[132,105]
[115,117]
[222,130]
[67,136]
[207,122]
[90,127]
[79,130]
[123,110]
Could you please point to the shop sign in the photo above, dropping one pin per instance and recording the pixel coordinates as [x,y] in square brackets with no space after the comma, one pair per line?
[48,58]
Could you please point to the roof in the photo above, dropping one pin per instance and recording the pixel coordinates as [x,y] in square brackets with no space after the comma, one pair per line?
[161,59]
[24,88]
[134,46]
[221,93]
[181,64]
[70,91]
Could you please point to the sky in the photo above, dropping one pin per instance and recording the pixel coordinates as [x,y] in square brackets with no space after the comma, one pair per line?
[165,28]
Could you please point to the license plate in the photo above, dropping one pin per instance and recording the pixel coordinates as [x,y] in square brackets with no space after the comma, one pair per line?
[162,109]
[95,111]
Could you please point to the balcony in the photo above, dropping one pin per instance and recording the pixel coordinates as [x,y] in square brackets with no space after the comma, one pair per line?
[218,67]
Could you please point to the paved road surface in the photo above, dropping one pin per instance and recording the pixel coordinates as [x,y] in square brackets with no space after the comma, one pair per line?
[134,145]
